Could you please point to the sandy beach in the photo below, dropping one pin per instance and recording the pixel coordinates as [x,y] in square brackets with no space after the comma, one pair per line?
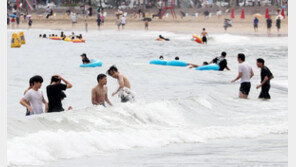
[188,24]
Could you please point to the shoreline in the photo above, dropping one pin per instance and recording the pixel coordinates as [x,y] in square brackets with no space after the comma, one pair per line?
[213,25]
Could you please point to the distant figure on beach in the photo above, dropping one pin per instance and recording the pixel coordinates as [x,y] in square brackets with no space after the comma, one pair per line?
[256,21]
[48,12]
[221,61]
[245,73]
[8,20]
[227,23]
[99,21]
[85,60]
[278,23]
[55,92]
[204,35]
[123,90]
[99,94]
[33,98]
[12,22]
[118,23]
[123,21]
[266,76]
[219,13]
[146,24]
[74,19]
[30,22]
[269,24]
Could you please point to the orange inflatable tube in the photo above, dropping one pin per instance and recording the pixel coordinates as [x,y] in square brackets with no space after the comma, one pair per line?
[197,38]
[159,39]
[55,38]
[78,40]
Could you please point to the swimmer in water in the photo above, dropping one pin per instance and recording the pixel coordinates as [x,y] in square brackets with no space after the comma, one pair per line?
[204,36]
[99,94]
[195,65]
[85,60]
[161,37]
[161,57]
[124,85]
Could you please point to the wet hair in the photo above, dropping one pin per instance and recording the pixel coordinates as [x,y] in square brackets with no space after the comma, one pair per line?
[44,35]
[54,79]
[223,54]
[37,79]
[241,56]
[161,57]
[83,54]
[203,29]
[40,35]
[101,76]
[112,69]
[177,58]
[31,83]
[205,63]
[260,61]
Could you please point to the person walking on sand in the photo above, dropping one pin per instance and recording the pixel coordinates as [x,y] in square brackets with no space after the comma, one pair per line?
[99,21]
[204,35]
[118,23]
[123,90]
[146,24]
[33,98]
[123,21]
[266,76]
[99,94]
[256,21]
[269,24]
[245,73]
[278,23]
[54,93]
[74,19]
[30,22]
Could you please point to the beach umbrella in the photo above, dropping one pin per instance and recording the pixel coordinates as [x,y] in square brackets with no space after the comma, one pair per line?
[232,13]
[283,12]
[12,15]
[266,13]
[258,15]
[243,14]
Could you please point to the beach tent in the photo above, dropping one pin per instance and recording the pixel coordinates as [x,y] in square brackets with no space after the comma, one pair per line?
[283,12]
[266,13]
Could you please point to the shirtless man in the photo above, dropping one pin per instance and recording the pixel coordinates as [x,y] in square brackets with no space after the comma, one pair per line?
[124,85]
[99,93]
[204,36]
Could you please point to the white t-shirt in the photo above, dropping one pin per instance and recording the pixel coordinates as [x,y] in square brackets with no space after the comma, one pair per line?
[245,69]
[35,99]
[123,20]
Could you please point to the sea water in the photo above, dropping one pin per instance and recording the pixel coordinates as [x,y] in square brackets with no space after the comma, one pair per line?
[176,108]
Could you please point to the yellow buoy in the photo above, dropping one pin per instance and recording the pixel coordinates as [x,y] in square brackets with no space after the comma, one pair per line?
[22,37]
[15,41]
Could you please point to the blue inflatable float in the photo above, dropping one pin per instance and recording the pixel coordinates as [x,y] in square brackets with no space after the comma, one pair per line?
[158,62]
[177,63]
[94,63]
[208,67]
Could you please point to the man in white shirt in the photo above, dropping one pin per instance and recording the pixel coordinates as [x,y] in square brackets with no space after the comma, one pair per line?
[33,98]
[245,73]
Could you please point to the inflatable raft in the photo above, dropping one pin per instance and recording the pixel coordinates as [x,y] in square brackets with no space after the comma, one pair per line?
[208,67]
[94,63]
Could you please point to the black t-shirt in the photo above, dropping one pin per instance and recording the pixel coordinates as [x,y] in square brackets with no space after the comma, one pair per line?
[265,72]
[54,94]
[221,62]
[85,60]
